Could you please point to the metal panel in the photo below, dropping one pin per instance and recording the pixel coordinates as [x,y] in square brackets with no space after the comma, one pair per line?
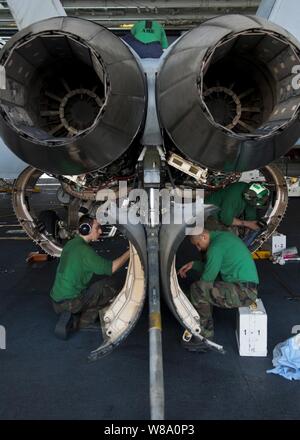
[28,12]
[286,13]
[175,14]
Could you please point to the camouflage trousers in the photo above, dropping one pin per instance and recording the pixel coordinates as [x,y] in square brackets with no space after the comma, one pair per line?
[87,305]
[225,295]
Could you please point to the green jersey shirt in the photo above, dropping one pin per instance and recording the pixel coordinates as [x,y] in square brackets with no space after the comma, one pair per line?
[78,263]
[231,202]
[155,33]
[228,256]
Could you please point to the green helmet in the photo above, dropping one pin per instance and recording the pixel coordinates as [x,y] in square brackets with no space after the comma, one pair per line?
[257,194]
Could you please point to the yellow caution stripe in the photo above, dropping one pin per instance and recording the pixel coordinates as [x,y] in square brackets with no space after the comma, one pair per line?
[155,320]
[261,255]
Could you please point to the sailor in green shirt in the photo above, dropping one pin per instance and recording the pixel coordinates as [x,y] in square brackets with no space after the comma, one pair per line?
[238,199]
[72,293]
[149,31]
[147,38]
[228,278]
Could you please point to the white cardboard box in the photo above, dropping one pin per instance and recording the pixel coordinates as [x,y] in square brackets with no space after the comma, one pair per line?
[251,330]
[293,184]
[276,243]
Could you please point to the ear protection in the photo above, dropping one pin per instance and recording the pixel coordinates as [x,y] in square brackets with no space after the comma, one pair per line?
[257,194]
[258,188]
[85,229]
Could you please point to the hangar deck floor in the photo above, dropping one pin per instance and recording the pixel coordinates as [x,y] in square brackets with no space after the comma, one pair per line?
[45,378]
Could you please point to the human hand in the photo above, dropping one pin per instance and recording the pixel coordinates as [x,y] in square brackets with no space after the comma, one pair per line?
[251,225]
[184,269]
